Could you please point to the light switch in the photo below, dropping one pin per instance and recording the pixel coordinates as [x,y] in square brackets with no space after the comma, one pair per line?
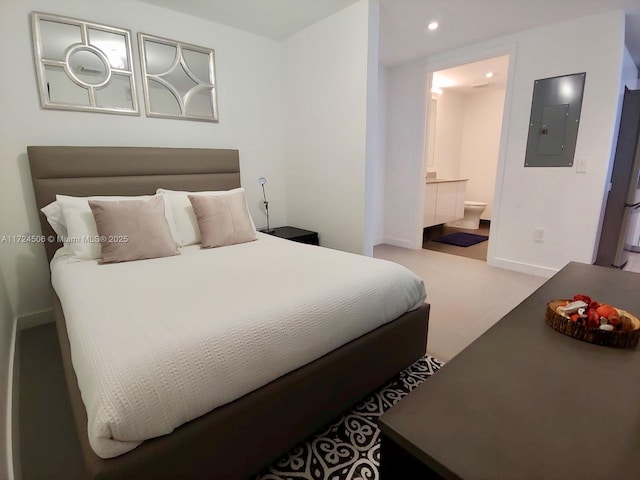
[582,164]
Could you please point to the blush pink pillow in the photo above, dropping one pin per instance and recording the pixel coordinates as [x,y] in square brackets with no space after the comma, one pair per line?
[223,220]
[132,230]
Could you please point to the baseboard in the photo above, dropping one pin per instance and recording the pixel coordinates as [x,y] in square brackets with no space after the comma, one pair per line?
[9,437]
[35,319]
[398,242]
[531,269]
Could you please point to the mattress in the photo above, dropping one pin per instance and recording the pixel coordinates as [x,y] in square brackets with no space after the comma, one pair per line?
[156,343]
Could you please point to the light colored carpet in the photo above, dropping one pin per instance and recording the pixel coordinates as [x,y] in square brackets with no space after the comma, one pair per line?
[467,296]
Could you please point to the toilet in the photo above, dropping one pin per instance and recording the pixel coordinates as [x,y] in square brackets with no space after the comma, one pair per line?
[472,212]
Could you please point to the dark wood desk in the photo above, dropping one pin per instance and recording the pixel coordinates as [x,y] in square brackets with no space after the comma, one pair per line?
[526,402]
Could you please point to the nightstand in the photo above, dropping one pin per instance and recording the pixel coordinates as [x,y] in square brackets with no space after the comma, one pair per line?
[295,234]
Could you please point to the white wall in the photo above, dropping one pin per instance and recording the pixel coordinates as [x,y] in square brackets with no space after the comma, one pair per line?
[467,140]
[528,198]
[547,197]
[379,165]
[404,167]
[629,71]
[449,129]
[481,145]
[6,333]
[374,153]
[327,76]
[250,120]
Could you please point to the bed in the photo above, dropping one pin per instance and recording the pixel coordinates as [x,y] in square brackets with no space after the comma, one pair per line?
[237,438]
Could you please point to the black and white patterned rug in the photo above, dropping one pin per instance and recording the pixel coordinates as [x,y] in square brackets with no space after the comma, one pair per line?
[349,448]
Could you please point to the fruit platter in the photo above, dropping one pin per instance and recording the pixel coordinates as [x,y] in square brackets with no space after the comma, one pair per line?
[594,322]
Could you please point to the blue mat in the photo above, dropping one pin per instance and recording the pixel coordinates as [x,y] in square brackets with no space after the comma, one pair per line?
[461,239]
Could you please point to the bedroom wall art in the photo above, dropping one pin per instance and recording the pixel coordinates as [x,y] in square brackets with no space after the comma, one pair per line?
[178,79]
[83,66]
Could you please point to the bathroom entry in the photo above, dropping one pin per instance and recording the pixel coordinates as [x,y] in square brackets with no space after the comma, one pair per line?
[461,155]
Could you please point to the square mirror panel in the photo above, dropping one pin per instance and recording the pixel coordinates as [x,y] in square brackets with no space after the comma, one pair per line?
[83,66]
[178,79]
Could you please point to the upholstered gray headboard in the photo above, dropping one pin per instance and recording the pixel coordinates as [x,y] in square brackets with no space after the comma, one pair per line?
[85,171]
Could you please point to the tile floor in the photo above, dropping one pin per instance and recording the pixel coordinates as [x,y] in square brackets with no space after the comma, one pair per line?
[477,251]
[633,264]
[467,296]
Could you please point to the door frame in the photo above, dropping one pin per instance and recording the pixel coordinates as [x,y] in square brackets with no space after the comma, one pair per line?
[454,59]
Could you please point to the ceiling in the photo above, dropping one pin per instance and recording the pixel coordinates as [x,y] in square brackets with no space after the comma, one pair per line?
[276,19]
[403,36]
[472,77]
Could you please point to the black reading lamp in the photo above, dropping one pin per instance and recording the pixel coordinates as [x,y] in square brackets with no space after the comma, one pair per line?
[262,181]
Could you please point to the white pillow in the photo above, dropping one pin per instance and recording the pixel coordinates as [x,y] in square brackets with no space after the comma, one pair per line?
[185,218]
[53,212]
[81,240]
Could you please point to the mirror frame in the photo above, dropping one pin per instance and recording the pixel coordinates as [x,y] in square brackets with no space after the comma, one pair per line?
[84,25]
[178,60]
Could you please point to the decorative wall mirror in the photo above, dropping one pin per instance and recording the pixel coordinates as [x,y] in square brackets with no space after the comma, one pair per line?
[178,79]
[83,66]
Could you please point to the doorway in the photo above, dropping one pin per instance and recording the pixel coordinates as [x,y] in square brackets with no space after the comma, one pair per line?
[463,131]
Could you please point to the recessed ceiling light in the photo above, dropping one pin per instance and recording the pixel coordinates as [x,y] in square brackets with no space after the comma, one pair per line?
[432,26]
[489,75]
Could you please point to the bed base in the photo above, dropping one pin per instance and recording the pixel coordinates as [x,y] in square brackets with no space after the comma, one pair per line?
[238,439]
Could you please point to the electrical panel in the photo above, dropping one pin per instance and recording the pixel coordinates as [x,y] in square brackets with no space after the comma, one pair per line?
[554,121]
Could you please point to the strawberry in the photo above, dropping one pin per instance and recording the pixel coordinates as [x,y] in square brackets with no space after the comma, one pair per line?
[593,322]
[585,298]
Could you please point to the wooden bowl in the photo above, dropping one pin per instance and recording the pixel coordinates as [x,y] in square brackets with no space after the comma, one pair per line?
[617,338]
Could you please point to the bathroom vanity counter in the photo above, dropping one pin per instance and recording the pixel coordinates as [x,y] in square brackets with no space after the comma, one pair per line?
[446,180]
[444,200]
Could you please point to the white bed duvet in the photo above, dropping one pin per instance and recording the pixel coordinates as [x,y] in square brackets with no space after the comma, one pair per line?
[156,343]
